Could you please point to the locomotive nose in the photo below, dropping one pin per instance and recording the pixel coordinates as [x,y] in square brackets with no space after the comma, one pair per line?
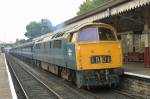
[99,55]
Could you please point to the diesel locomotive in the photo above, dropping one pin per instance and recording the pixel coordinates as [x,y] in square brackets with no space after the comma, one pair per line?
[89,55]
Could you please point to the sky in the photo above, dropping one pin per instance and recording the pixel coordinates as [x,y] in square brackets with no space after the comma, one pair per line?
[16,14]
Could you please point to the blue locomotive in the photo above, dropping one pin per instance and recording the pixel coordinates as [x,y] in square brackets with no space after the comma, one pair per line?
[89,55]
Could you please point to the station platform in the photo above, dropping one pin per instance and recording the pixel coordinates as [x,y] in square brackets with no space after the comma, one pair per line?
[136,69]
[6,86]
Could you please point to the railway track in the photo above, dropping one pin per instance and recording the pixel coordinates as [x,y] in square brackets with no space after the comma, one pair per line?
[127,94]
[64,89]
[52,82]
[32,87]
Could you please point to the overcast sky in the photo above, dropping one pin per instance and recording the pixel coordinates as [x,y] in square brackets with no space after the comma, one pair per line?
[16,14]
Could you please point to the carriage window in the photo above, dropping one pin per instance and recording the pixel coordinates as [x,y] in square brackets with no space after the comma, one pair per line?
[57,44]
[44,45]
[49,44]
[37,46]
[96,34]
[29,49]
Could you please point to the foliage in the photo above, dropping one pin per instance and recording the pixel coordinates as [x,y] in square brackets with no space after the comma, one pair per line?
[19,41]
[89,5]
[46,26]
[35,29]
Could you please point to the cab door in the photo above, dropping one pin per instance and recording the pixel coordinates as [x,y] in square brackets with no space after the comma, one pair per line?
[71,52]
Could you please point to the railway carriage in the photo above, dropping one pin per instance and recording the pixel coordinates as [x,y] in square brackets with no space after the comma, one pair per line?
[23,50]
[89,55]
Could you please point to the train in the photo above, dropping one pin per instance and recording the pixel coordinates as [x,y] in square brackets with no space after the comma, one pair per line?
[88,55]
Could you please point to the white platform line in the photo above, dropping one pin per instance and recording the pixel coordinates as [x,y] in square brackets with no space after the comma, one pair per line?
[138,75]
[13,92]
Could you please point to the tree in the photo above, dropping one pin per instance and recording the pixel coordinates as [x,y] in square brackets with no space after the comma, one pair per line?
[89,5]
[20,41]
[35,29]
[46,26]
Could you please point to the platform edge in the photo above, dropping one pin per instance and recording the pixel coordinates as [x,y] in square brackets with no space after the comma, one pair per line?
[13,92]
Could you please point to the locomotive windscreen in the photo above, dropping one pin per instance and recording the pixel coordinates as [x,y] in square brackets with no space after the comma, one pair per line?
[96,34]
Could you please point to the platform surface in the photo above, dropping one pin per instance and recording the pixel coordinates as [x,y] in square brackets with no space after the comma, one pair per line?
[5,91]
[136,68]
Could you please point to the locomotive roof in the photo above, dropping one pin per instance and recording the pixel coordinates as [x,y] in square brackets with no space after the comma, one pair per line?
[77,28]
[63,32]
[24,44]
[57,34]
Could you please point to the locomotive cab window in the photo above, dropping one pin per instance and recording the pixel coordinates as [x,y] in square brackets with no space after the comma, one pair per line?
[72,37]
[106,34]
[69,37]
[96,34]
